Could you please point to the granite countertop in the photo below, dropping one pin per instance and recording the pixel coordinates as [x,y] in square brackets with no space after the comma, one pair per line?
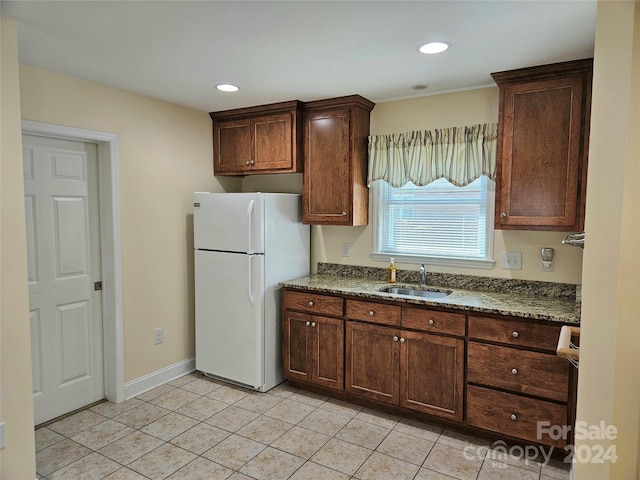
[536,300]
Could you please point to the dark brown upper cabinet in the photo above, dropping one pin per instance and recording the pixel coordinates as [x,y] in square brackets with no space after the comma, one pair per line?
[334,189]
[543,135]
[264,139]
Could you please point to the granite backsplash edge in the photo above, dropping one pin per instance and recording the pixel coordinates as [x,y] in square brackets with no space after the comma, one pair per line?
[463,282]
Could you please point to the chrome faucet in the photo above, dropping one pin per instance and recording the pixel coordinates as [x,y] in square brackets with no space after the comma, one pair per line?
[423,276]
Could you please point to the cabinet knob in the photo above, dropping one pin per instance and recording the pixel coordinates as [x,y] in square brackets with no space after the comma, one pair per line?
[431,322]
[515,334]
[395,339]
[308,323]
[313,324]
[247,162]
[371,313]
[514,371]
[503,215]
[310,303]
[252,162]
[513,417]
[402,340]
[344,214]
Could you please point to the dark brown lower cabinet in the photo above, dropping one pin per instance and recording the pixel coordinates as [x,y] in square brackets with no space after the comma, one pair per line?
[407,358]
[514,415]
[313,349]
[373,361]
[415,370]
[432,374]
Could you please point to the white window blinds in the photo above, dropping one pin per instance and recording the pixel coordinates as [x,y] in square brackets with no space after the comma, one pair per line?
[438,221]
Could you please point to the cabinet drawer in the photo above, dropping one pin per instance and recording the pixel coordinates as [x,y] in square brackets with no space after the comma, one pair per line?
[373,312]
[313,303]
[514,332]
[514,415]
[541,374]
[432,321]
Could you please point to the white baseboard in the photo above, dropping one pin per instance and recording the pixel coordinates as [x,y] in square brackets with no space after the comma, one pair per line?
[157,378]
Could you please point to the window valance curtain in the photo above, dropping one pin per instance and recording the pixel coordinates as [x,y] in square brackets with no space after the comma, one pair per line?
[459,154]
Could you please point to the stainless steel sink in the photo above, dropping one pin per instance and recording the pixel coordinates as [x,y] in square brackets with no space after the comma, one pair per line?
[410,292]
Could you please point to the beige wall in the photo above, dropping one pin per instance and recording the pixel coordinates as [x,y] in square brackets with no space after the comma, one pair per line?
[609,382]
[165,154]
[437,111]
[17,460]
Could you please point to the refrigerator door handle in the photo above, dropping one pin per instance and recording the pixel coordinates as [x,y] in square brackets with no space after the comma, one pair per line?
[250,222]
[251,297]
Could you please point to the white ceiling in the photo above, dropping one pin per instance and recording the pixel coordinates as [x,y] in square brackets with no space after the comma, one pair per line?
[306,50]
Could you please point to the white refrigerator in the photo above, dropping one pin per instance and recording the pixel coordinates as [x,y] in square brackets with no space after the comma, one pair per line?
[245,244]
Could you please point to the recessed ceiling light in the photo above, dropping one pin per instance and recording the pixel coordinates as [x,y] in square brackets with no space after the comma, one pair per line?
[420,86]
[226,87]
[433,47]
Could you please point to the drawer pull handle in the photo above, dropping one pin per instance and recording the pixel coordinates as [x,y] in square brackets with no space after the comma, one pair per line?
[402,340]
[308,323]
[514,371]
[513,417]
[431,322]
[515,334]
[371,313]
[395,339]
[310,303]
[313,324]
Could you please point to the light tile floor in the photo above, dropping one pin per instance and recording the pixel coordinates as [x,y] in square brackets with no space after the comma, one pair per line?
[199,429]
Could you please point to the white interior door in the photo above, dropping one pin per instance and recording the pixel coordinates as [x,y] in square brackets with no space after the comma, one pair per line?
[61,203]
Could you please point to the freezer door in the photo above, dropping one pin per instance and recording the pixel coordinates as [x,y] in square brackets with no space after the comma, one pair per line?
[229,308]
[230,222]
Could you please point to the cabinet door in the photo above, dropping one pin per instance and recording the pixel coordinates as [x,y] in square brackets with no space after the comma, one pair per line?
[327,176]
[432,374]
[372,361]
[328,352]
[541,154]
[272,142]
[296,346]
[232,146]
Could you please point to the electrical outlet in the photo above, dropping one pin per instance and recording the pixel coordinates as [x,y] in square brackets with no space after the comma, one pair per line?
[512,260]
[3,435]
[346,249]
[158,336]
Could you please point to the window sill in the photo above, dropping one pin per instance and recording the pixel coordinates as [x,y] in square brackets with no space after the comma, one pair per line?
[442,261]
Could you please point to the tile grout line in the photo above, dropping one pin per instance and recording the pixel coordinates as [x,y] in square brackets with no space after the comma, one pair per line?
[361,412]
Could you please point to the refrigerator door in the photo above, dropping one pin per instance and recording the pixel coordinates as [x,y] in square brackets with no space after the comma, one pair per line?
[229,291]
[230,222]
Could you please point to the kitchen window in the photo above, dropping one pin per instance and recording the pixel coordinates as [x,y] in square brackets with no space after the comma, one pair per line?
[437,224]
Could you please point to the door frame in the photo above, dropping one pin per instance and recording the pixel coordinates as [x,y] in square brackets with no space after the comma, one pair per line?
[110,246]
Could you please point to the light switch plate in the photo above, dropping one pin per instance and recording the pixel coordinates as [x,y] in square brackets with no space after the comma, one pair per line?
[158,336]
[512,260]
